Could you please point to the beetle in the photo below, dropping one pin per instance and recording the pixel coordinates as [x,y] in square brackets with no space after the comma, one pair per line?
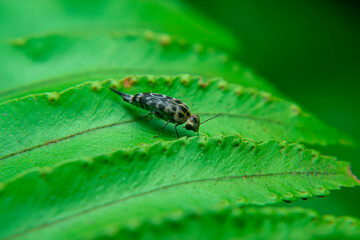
[164,107]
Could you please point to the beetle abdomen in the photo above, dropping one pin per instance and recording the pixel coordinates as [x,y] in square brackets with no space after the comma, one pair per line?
[154,101]
[164,107]
[127,97]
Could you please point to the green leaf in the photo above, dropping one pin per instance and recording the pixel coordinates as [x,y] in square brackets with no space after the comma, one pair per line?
[80,198]
[89,119]
[99,16]
[247,223]
[54,62]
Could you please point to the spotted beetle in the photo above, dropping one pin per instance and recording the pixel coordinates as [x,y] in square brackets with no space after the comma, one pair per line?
[164,107]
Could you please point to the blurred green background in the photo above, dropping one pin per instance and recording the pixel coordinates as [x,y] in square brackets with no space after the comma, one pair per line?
[310,49]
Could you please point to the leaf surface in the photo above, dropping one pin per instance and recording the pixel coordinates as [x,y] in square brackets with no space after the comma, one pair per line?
[151,181]
[54,62]
[247,223]
[54,16]
[89,120]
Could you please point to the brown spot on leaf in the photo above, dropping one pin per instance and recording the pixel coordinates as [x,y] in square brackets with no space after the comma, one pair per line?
[202,83]
[128,82]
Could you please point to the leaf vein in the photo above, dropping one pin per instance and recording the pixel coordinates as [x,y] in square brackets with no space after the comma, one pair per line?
[104,205]
[64,138]
[126,122]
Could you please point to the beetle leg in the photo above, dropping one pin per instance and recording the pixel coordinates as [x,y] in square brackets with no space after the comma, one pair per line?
[162,129]
[176,130]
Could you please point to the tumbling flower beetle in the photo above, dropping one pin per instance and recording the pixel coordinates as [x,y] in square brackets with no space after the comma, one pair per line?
[164,107]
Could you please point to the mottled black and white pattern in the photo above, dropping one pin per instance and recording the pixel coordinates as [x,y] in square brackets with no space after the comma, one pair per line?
[164,107]
[167,108]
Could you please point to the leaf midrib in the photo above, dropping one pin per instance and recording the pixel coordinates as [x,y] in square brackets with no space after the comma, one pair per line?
[245,177]
[272,121]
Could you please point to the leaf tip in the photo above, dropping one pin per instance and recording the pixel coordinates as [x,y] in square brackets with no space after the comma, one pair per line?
[295,110]
[129,81]
[223,85]
[52,97]
[96,86]
[45,171]
[240,200]
[165,40]
[151,79]
[202,141]
[267,97]
[239,91]
[114,84]
[87,162]
[274,197]
[202,83]
[168,80]
[185,79]
[289,197]
[353,175]
[303,194]
[321,191]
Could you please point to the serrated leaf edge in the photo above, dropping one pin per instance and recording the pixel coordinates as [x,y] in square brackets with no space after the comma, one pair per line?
[44,173]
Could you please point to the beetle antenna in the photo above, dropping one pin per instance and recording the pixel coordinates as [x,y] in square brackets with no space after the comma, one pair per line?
[211,118]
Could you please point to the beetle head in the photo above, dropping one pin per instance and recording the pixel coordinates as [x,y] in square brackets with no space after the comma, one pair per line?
[193,123]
